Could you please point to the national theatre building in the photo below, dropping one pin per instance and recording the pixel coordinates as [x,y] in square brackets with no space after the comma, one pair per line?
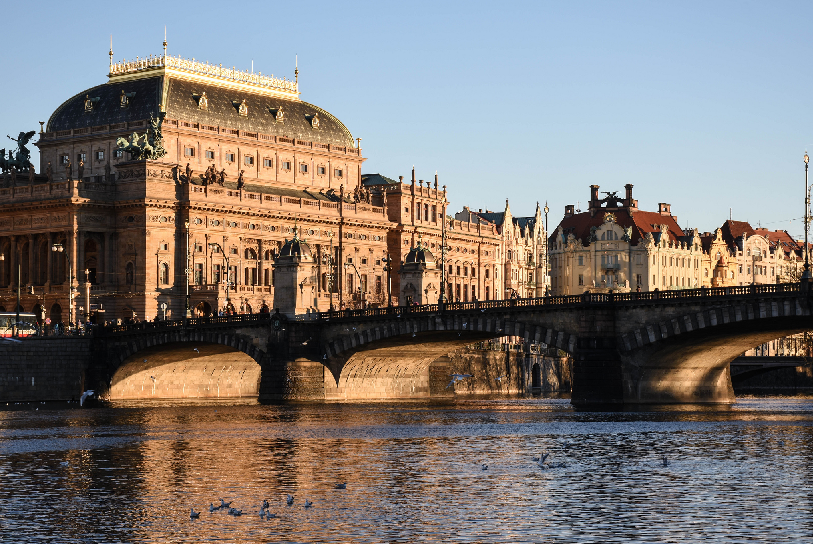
[182,184]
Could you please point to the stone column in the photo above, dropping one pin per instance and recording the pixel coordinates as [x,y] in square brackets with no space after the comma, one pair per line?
[105,258]
[31,251]
[12,269]
[80,255]
[49,266]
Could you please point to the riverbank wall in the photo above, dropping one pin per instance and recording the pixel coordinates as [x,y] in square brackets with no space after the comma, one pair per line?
[43,369]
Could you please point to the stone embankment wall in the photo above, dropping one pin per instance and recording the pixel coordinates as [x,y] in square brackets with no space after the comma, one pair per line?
[43,369]
[782,381]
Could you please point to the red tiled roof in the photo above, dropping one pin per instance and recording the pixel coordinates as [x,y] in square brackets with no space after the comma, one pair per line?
[641,222]
[735,229]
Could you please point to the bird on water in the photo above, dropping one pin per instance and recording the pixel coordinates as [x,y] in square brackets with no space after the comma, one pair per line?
[456,378]
[193,514]
[85,396]
[289,499]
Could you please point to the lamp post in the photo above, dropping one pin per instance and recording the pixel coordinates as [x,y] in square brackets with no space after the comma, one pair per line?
[330,274]
[212,247]
[59,248]
[442,297]
[388,270]
[187,271]
[806,273]
[363,293]
[547,255]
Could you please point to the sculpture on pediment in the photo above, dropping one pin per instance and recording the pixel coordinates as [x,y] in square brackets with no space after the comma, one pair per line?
[627,234]
[240,181]
[148,146]
[22,158]
[222,178]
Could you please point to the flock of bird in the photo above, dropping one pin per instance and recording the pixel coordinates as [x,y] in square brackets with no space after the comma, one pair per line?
[265,510]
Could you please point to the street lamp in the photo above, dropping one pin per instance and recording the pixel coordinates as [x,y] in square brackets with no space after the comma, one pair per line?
[547,254]
[388,270]
[212,247]
[806,273]
[187,271]
[59,248]
[330,274]
[362,293]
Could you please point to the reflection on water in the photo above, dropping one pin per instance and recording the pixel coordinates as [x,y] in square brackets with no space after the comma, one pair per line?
[130,473]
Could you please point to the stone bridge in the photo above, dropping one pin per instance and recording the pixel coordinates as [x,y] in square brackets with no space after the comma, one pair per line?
[653,347]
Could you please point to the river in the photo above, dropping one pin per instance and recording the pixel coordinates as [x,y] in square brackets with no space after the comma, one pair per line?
[414,472]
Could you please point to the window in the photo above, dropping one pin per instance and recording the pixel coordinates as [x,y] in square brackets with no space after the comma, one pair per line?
[198,276]
[338,172]
[81,157]
[458,270]
[286,165]
[472,271]
[229,157]
[189,151]
[581,279]
[466,271]
[450,270]
[268,163]
[119,153]
[487,273]
[581,262]
[249,161]
[100,155]
[64,159]
[321,170]
[217,274]
[426,212]
[163,274]
[210,155]
[434,213]
[303,168]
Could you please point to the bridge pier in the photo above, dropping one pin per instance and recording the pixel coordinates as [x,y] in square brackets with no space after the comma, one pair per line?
[597,372]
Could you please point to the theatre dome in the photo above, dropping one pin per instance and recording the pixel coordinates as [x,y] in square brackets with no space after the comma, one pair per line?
[202,93]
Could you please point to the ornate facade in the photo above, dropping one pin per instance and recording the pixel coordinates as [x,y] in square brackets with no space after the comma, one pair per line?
[177,173]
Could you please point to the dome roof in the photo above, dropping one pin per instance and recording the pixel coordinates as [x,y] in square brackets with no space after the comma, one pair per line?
[295,248]
[420,255]
[273,115]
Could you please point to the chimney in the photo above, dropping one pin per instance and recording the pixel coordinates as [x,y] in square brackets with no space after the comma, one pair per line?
[628,187]
[664,208]
[593,194]
[569,209]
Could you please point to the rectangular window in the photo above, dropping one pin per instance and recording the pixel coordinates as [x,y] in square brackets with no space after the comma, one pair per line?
[268,163]
[426,212]
[487,273]
[363,260]
[64,159]
[458,270]
[217,273]
[286,165]
[229,157]
[434,212]
[581,279]
[233,276]
[321,170]
[189,151]
[100,155]
[198,277]
[81,157]
[488,292]
[378,285]
[249,161]
[364,283]
[338,172]
[581,261]
[303,168]
[472,272]
[119,153]
[466,271]
[210,155]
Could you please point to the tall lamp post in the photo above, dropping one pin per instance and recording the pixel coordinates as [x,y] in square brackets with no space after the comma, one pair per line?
[330,275]
[388,270]
[59,248]
[212,247]
[187,271]
[806,273]
[547,254]
[363,292]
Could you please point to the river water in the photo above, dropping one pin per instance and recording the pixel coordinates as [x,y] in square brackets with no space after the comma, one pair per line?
[414,472]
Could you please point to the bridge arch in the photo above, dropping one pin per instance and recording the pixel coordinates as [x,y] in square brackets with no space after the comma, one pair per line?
[409,356]
[186,364]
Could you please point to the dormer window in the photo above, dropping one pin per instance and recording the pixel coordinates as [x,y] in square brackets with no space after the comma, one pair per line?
[242,108]
[124,99]
[90,102]
[315,120]
[279,116]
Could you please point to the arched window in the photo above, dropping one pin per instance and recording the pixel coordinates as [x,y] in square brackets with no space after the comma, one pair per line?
[251,254]
[129,274]
[163,274]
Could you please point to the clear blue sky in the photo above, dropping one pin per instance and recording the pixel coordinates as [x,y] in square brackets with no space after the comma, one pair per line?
[703,105]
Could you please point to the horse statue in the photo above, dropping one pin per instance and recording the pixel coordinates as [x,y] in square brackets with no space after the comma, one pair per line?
[148,146]
[22,158]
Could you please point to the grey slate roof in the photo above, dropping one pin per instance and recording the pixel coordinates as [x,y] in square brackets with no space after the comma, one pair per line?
[182,103]
[376,179]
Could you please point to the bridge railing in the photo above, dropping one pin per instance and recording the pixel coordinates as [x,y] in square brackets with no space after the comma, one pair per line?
[191,322]
[567,300]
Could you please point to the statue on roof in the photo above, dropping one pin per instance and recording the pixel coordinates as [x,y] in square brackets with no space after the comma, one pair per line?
[148,146]
[22,158]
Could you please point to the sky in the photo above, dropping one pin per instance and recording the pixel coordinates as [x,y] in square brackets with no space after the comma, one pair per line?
[703,105]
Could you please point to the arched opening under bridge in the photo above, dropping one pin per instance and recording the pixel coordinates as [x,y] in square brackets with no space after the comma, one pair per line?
[186,370]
